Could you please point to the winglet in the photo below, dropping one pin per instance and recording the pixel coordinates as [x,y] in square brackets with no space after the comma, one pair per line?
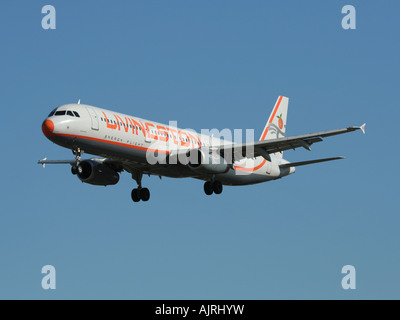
[79,101]
[43,163]
[363,128]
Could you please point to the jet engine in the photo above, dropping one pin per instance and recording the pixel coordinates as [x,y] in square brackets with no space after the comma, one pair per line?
[96,173]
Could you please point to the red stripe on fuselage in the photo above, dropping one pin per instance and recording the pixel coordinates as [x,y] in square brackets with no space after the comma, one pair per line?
[250,169]
[111,142]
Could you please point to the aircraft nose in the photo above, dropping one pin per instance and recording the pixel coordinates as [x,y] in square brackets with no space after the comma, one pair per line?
[48,127]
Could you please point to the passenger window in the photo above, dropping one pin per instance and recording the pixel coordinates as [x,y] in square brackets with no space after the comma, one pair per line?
[76,114]
[60,113]
[69,113]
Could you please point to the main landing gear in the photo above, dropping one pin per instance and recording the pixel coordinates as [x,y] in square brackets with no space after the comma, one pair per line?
[211,187]
[139,193]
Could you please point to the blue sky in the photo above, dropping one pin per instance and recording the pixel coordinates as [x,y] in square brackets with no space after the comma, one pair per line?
[206,64]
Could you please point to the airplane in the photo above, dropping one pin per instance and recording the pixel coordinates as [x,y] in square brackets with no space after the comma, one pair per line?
[124,143]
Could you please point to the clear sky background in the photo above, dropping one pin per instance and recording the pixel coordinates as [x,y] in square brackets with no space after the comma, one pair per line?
[207,64]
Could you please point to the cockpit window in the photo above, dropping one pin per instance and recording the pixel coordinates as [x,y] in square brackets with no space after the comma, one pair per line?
[52,113]
[63,113]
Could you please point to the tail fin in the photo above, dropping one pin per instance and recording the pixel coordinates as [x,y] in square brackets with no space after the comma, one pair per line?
[276,125]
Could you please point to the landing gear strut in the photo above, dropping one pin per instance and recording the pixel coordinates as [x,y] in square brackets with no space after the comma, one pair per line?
[211,187]
[78,155]
[78,152]
[139,193]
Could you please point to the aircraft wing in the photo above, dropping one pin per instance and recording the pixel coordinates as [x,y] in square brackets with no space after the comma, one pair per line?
[73,162]
[44,161]
[116,164]
[265,147]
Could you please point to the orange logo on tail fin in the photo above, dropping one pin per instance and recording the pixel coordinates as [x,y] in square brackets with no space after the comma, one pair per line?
[280,122]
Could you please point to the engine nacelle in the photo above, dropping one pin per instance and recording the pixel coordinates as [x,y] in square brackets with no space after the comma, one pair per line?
[96,173]
[207,162]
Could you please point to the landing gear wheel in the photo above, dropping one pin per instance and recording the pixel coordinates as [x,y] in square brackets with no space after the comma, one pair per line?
[144,194]
[73,170]
[217,187]
[208,188]
[139,193]
[135,195]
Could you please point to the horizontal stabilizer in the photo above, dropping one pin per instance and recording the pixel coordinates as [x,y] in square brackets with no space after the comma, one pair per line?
[303,163]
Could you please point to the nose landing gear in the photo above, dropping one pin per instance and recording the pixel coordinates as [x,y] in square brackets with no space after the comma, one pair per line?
[78,155]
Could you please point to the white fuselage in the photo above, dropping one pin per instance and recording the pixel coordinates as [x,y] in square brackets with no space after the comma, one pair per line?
[128,138]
